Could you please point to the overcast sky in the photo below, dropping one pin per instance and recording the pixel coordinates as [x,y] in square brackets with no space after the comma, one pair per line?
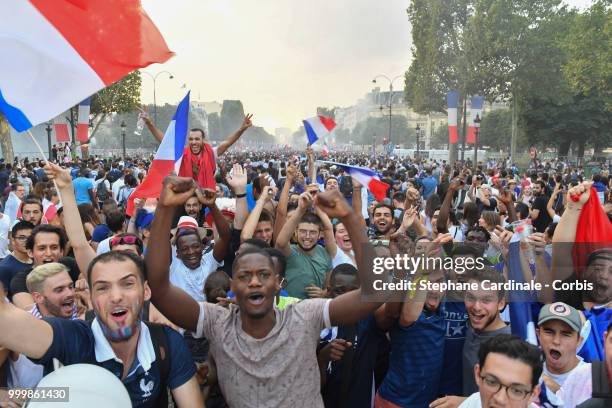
[282,58]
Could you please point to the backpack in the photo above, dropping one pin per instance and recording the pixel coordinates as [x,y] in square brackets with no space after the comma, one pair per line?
[102,191]
[162,356]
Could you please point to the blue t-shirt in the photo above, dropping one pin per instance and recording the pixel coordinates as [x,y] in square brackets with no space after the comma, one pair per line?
[9,267]
[429,186]
[81,190]
[415,361]
[456,320]
[73,343]
[366,337]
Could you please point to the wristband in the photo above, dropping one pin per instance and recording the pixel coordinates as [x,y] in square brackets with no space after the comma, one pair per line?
[575,197]
[241,195]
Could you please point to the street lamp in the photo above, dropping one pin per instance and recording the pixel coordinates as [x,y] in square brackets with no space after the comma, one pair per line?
[123,126]
[49,129]
[418,141]
[391,81]
[154,78]
[477,121]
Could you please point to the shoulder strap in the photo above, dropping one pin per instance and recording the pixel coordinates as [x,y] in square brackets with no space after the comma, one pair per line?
[162,355]
[349,335]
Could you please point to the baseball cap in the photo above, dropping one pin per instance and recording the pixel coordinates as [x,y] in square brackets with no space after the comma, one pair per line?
[563,312]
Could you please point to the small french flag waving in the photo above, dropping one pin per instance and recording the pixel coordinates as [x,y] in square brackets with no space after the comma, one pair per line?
[318,127]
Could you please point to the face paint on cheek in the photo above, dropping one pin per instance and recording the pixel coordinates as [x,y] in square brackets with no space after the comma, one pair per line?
[122,333]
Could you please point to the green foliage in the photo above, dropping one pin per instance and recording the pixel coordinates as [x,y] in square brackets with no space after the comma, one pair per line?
[375,129]
[589,50]
[496,130]
[329,112]
[232,115]
[120,97]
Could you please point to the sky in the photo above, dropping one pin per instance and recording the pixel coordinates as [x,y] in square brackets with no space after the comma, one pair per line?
[281,58]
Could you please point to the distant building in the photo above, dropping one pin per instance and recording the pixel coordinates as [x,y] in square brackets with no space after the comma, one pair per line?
[282,134]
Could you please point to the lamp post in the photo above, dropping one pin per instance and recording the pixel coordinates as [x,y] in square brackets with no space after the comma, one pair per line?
[477,121]
[154,78]
[123,126]
[391,81]
[418,141]
[49,129]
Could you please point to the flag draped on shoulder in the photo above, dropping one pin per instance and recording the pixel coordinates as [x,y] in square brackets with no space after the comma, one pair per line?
[366,177]
[318,127]
[59,52]
[167,158]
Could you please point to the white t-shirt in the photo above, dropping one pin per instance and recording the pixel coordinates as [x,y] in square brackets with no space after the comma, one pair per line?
[104,246]
[5,226]
[97,184]
[473,401]
[341,258]
[192,280]
[116,187]
[560,379]
[577,387]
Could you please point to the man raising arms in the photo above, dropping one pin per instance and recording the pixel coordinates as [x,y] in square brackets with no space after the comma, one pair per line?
[262,352]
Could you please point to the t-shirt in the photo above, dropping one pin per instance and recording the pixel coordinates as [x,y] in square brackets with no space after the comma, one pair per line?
[578,387]
[279,370]
[9,267]
[429,186]
[482,207]
[474,401]
[74,342]
[598,319]
[471,346]
[543,219]
[304,270]
[192,280]
[415,362]
[81,190]
[548,398]
[342,258]
[456,319]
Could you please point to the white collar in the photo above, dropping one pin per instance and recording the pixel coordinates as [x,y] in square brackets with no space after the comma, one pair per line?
[144,349]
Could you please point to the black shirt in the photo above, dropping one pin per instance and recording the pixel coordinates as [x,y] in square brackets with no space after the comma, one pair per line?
[18,283]
[543,219]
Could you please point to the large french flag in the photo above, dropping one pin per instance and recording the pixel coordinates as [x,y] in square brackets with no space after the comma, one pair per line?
[366,177]
[56,53]
[452,98]
[83,123]
[318,127]
[167,158]
[476,110]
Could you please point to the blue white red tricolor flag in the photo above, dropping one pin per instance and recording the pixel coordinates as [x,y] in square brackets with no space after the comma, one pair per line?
[83,122]
[318,127]
[453,100]
[167,158]
[475,110]
[56,53]
[367,177]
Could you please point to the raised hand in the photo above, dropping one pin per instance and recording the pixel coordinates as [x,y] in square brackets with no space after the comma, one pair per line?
[206,196]
[176,190]
[61,176]
[305,201]
[538,240]
[246,123]
[237,180]
[579,195]
[291,172]
[456,184]
[267,194]
[333,204]
[505,196]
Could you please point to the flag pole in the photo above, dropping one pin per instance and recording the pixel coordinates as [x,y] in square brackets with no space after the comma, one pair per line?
[42,154]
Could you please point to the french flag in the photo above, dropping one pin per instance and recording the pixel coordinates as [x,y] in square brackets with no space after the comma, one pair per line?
[61,129]
[318,127]
[59,52]
[167,158]
[83,123]
[452,98]
[476,110]
[366,177]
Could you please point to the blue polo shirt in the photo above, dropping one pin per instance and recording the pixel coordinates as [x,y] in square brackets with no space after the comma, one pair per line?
[74,342]
[456,320]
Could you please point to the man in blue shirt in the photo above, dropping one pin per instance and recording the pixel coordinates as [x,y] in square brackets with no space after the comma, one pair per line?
[116,340]
[429,184]
[83,187]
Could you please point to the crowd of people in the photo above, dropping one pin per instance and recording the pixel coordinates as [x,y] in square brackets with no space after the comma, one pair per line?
[248,281]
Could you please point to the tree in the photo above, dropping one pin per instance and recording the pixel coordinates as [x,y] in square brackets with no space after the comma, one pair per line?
[439,61]
[496,129]
[328,112]
[122,96]
[232,115]
[514,53]
[5,139]
[588,68]
[375,129]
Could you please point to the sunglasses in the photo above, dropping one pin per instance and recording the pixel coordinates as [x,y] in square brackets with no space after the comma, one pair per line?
[126,240]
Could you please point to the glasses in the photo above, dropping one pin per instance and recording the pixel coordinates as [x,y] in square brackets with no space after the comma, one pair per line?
[127,240]
[308,233]
[514,392]
[21,238]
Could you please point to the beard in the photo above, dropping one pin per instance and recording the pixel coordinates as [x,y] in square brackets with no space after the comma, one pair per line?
[306,249]
[120,334]
[52,309]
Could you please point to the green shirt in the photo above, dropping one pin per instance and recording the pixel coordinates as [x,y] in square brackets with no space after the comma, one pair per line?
[305,270]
